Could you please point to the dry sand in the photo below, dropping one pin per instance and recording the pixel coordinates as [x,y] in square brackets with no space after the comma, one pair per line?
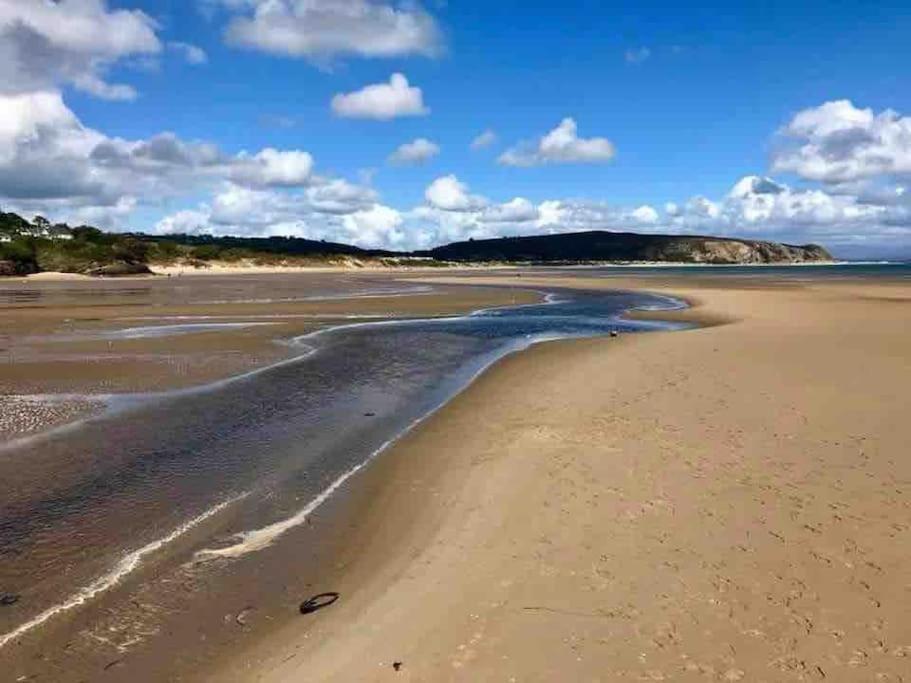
[221,268]
[340,265]
[728,503]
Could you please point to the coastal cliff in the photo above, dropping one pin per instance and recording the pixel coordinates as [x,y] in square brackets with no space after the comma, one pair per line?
[600,246]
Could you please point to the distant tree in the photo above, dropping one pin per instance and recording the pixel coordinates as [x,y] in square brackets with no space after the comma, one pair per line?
[207,252]
[165,251]
[87,233]
[130,250]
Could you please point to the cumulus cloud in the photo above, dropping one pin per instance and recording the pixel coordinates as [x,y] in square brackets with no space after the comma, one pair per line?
[453,213]
[381,101]
[415,152]
[334,211]
[183,222]
[517,210]
[762,208]
[53,164]
[272,167]
[573,215]
[448,193]
[485,139]
[637,55]
[754,207]
[44,45]
[192,54]
[44,151]
[323,29]
[562,145]
[757,207]
[644,215]
[338,196]
[378,226]
[836,143]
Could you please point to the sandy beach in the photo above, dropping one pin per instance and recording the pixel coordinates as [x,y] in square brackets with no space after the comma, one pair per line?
[62,335]
[352,341]
[726,503]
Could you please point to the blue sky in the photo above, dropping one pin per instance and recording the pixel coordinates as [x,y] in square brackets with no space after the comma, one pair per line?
[671,105]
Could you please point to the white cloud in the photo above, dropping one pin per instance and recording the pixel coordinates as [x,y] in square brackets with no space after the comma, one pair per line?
[644,214]
[637,55]
[415,152]
[762,208]
[453,213]
[334,211]
[562,145]
[323,29]
[836,142]
[378,226]
[755,207]
[93,85]
[235,205]
[574,215]
[702,209]
[44,45]
[193,54]
[275,168]
[340,197]
[51,163]
[485,139]
[755,185]
[44,150]
[183,222]
[257,210]
[26,118]
[448,193]
[381,101]
[517,210]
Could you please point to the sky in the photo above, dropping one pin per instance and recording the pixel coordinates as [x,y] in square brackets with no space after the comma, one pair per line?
[404,125]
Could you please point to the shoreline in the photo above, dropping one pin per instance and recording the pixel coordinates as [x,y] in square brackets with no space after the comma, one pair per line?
[487,362]
[102,584]
[223,269]
[103,406]
[66,343]
[392,568]
[468,460]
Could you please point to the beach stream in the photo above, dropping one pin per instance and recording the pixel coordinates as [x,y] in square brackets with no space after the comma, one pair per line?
[110,530]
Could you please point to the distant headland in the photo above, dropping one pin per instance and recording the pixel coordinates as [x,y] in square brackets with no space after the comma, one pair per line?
[35,246]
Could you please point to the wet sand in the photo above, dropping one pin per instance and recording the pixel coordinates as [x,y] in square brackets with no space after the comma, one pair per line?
[726,503]
[101,527]
[720,504]
[62,336]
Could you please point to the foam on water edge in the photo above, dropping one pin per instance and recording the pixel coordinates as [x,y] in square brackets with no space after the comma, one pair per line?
[258,539]
[125,566]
